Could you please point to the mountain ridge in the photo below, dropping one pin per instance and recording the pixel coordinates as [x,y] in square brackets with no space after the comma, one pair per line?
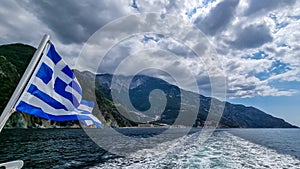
[230,113]
[15,58]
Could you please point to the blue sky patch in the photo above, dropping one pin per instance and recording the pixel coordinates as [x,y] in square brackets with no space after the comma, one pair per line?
[276,68]
[284,85]
[191,12]
[206,2]
[257,56]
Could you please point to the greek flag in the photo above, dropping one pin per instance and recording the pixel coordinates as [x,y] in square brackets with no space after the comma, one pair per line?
[54,93]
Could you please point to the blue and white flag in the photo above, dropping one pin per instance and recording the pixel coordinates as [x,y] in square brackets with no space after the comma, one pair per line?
[54,93]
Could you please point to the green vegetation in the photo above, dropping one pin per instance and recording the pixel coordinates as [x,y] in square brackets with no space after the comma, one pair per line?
[13,62]
[14,59]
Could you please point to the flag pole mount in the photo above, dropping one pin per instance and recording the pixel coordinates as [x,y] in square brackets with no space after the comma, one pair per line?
[9,109]
[13,164]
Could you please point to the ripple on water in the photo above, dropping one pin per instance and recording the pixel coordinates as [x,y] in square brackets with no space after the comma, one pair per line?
[222,150]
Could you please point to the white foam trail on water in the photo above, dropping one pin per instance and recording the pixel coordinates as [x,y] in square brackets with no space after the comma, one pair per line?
[221,150]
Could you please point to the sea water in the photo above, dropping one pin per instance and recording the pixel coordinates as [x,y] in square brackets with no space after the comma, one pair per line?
[225,148]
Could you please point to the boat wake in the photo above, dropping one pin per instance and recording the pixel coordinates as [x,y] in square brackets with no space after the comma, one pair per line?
[221,150]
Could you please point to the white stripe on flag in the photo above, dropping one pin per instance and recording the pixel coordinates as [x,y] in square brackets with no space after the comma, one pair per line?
[47,101]
[57,69]
[74,92]
[45,88]
[34,101]
[85,108]
[92,117]
[48,61]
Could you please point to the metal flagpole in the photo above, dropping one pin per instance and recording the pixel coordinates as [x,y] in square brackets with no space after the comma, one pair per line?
[7,112]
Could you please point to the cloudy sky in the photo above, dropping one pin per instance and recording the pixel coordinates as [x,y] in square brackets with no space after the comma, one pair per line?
[257,42]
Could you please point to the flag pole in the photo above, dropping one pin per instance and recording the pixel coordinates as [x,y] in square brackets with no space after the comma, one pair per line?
[8,110]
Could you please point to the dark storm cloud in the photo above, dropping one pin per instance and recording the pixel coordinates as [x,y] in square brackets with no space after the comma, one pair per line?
[256,6]
[74,22]
[218,18]
[17,24]
[251,36]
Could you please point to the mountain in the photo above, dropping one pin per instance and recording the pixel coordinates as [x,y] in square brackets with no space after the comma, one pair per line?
[13,62]
[234,115]
[14,59]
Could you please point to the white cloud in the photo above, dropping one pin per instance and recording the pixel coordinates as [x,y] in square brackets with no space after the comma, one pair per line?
[237,29]
[19,25]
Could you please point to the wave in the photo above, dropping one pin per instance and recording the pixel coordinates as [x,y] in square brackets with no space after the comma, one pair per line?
[221,150]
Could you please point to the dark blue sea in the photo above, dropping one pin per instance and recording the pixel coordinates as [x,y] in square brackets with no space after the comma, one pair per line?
[225,148]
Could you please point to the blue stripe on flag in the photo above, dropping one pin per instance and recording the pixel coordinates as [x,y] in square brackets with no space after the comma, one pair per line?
[68,72]
[87,103]
[60,88]
[36,111]
[81,109]
[45,97]
[82,119]
[53,55]
[84,112]
[45,73]
[76,86]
